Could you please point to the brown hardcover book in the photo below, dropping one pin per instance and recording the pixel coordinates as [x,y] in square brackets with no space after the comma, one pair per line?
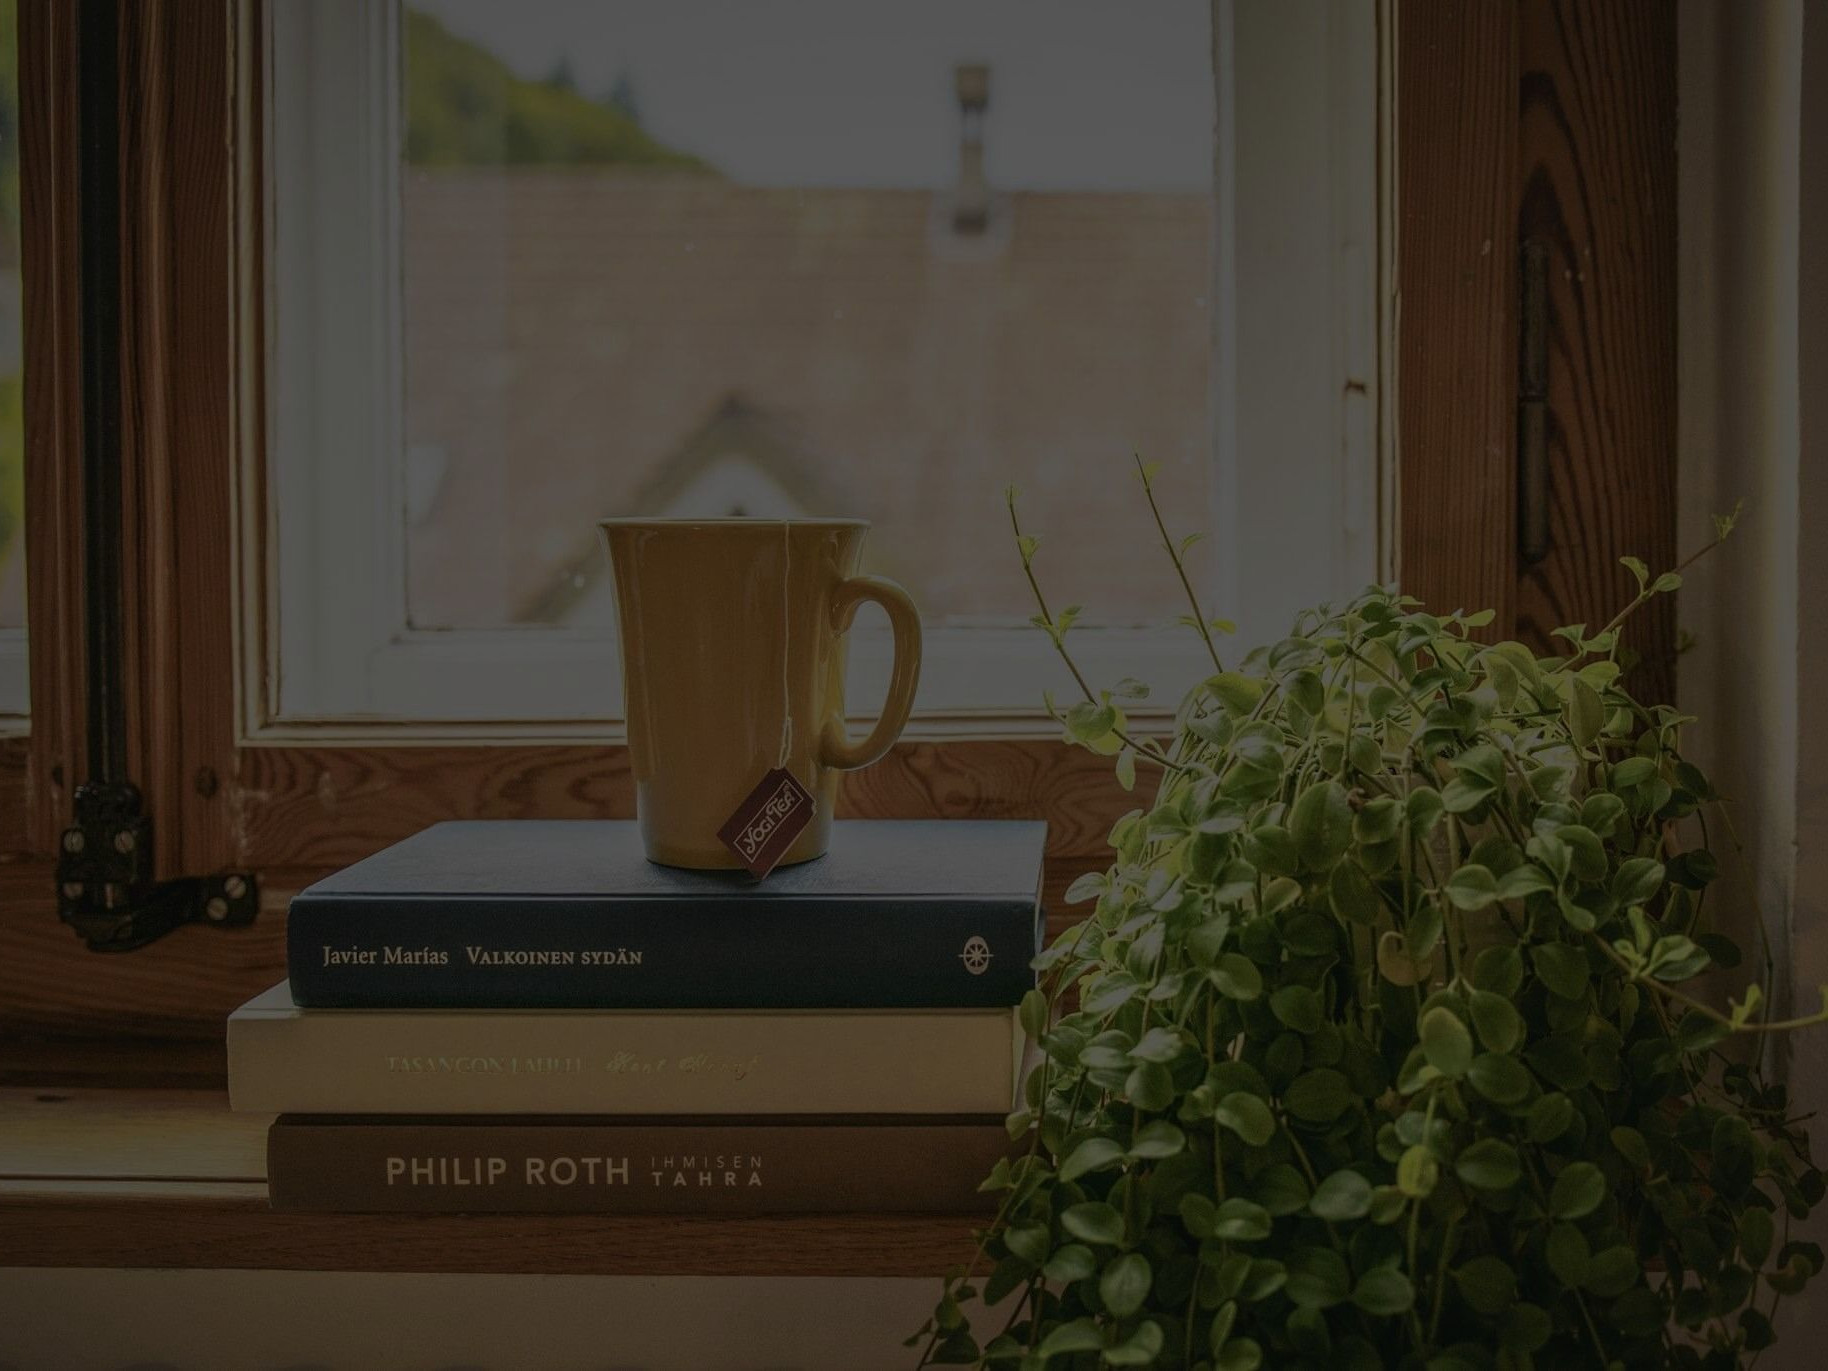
[701,1165]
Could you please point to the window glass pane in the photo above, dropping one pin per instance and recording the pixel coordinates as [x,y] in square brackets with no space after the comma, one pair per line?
[814,256]
[12,427]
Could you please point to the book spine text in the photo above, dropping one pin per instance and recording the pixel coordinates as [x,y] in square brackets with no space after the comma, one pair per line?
[426,952]
[730,1167]
[548,1062]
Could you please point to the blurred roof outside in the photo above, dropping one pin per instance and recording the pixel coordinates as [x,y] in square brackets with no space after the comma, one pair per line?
[572,335]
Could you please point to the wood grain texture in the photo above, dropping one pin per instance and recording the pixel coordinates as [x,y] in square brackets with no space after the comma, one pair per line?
[221,1226]
[48,217]
[15,794]
[181,987]
[1597,140]
[174,1179]
[327,806]
[116,1062]
[311,810]
[1456,83]
[324,807]
[178,144]
[177,420]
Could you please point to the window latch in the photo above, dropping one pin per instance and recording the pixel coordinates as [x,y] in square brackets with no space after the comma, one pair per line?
[105,885]
[105,889]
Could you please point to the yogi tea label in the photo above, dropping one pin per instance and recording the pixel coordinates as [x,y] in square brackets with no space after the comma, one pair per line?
[767,821]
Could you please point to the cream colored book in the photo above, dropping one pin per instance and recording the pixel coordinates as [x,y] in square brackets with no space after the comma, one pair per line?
[287,1060]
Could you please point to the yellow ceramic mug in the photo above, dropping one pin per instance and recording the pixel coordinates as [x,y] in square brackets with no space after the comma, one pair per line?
[733,651]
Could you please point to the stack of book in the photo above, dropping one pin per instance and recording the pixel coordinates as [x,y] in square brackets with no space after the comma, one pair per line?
[528,1016]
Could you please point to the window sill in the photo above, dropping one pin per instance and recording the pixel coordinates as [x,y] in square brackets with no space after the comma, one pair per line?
[173,1179]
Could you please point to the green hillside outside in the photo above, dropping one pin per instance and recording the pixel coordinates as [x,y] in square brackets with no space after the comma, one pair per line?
[465,107]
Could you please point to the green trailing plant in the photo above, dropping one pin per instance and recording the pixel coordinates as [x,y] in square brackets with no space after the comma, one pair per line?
[1383,1043]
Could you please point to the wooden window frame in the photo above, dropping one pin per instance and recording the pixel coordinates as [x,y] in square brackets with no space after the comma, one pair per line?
[1465,78]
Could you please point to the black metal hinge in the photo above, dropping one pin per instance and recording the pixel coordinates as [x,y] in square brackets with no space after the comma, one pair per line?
[105,885]
[105,889]
[1534,537]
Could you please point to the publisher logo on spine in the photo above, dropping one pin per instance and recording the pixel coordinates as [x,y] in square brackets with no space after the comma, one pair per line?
[976,955]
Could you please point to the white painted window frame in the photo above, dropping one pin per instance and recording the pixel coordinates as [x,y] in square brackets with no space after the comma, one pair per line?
[1299,282]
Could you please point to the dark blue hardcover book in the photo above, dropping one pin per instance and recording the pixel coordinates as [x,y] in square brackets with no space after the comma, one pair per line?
[570,914]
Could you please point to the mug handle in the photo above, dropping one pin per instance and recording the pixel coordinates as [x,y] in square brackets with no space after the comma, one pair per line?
[835,750]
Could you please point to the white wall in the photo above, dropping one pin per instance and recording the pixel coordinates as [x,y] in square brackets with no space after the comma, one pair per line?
[1809,1076]
[1811,917]
[1754,424]
[1740,81]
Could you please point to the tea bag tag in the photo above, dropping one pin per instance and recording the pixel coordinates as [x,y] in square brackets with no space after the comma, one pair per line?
[768,820]
[776,812]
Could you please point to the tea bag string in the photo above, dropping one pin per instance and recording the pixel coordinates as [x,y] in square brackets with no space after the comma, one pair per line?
[786,647]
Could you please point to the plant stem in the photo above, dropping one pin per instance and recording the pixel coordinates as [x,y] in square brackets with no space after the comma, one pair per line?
[1180,567]
[1412,1240]
[1451,916]
[1218,1149]
[1389,680]
[1645,596]
[1003,1209]
[1142,749]
[1702,1007]
[1440,1280]
[1349,668]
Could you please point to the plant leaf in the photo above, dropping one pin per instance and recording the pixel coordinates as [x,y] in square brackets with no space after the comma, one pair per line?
[1578,1191]
[1081,1335]
[1125,1284]
[1094,1222]
[1445,1041]
[1342,1196]
[1384,1291]
[1094,1154]
[1488,1164]
[1321,823]
[1247,1116]
[1472,887]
